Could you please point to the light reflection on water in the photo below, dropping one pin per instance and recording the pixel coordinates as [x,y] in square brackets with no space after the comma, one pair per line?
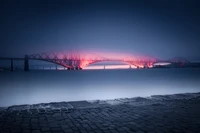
[20,87]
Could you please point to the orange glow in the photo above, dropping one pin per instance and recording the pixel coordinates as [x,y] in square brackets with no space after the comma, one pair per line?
[83,59]
[110,67]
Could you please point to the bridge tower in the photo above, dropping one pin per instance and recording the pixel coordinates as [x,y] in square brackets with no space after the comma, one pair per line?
[77,64]
[26,64]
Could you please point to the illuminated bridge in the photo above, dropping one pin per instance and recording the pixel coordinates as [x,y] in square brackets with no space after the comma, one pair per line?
[79,60]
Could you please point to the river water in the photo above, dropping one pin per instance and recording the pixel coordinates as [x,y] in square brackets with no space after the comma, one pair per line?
[41,86]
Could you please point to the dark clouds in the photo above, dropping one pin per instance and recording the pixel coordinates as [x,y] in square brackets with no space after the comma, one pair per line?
[159,28]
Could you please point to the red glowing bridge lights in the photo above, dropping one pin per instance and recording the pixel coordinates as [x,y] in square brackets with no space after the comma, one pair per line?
[79,60]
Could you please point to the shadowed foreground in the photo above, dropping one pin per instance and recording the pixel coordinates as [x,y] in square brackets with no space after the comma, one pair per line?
[156,114]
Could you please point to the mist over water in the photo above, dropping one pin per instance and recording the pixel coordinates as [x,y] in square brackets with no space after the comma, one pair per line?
[37,86]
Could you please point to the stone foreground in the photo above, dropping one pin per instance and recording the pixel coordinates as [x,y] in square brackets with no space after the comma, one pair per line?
[178,113]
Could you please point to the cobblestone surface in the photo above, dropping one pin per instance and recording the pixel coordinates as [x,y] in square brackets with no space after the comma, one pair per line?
[156,114]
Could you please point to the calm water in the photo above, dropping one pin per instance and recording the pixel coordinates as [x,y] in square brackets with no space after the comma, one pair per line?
[20,87]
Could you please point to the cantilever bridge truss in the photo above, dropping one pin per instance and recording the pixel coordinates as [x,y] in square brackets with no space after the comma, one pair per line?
[81,60]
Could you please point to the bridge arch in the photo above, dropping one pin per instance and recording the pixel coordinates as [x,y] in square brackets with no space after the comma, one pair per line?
[54,62]
[119,62]
[78,61]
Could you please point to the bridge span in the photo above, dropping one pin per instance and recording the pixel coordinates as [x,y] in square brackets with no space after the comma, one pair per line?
[77,61]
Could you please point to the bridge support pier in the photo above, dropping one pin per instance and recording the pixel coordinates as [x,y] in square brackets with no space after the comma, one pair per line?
[75,68]
[78,68]
[26,64]
[70,68]
[11,65]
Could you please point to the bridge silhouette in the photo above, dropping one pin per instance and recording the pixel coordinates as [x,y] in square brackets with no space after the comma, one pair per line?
[77,61]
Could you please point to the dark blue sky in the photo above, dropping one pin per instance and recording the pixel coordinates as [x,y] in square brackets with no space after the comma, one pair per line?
[160,28]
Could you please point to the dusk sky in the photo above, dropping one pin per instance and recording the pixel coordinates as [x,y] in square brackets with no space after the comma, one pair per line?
[160,28]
